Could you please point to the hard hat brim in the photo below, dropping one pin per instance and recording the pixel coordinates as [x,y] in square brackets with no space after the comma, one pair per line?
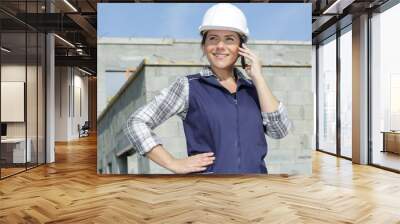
[206,28]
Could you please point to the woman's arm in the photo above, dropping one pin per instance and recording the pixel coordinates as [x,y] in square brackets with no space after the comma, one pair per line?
[268,102]
[277,123]
[139,129]
[140,125]
[274,113]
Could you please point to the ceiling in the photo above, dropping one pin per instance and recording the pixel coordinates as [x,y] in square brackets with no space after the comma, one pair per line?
[329,16]
[74,24]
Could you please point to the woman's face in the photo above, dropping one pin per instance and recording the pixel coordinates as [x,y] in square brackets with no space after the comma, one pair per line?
[221,48]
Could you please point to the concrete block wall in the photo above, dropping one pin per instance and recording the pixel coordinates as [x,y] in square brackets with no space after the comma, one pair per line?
[287,69]
[123,53]
[293,86]
[110,136]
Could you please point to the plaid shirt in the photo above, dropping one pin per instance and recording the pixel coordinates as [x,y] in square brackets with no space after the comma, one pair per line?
[174,100]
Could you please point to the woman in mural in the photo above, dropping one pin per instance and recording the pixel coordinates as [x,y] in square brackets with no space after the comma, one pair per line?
[225,114]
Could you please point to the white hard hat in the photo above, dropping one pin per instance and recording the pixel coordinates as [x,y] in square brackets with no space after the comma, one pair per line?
[225,16]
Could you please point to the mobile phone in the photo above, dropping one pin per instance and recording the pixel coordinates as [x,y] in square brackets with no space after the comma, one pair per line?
[242,60]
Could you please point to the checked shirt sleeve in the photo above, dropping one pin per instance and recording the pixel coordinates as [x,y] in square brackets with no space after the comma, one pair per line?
[277,123]
[172,100]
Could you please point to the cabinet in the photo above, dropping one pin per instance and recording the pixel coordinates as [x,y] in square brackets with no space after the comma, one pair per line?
[13,150]
[391,142]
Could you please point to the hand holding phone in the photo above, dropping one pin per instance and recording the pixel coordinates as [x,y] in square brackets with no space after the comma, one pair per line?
[254,69]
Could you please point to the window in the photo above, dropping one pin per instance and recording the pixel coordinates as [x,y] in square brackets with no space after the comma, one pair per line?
[385,114]
[327,96]
[346,74]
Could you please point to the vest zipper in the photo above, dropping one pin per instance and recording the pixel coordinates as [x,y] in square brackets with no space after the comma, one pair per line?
[237,130]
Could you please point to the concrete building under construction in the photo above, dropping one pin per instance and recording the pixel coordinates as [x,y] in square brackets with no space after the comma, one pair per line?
[146,66]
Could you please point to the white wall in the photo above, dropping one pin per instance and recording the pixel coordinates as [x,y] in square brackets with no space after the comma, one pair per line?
[61,104]
[13,73]
[68,83]
[79,117]
[33,125]
[16,73]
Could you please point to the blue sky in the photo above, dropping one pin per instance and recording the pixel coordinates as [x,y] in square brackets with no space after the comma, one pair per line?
[266,21]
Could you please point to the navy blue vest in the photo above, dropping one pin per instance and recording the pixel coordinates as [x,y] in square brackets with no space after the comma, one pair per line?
[231,128]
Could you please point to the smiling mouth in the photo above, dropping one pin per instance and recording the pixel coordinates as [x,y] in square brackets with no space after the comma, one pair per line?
[219,55]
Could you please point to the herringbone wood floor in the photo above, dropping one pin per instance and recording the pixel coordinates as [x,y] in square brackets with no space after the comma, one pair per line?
[70,191]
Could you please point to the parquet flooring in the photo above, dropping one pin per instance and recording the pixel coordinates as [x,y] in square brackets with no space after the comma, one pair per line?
[70,191]
[10,171]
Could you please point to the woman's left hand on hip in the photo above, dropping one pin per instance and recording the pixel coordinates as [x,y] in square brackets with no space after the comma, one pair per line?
[254,70]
